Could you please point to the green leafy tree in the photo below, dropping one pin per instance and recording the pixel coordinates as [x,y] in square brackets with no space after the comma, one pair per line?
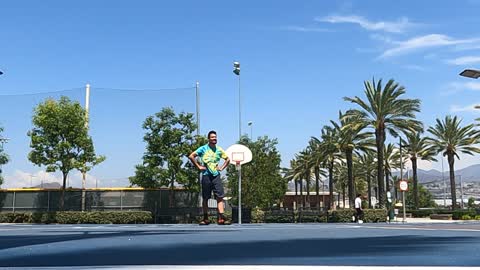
[169,138]
[450,139]
[3,155]
[425,198]
[418,148]
[471,202]
[384,110]
[60,140]
[262,182]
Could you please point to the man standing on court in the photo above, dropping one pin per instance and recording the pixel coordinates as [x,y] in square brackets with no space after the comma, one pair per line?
[211,155]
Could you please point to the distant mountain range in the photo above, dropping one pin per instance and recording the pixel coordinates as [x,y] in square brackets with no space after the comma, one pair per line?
[468,174]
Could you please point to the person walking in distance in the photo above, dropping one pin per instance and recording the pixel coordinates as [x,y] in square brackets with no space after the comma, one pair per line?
[358,209]
[211,154]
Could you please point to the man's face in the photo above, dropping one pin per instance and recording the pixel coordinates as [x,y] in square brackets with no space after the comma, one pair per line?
[212,139]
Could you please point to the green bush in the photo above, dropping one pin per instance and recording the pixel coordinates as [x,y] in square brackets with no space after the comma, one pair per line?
[458,214]
[466,217]
[341,215]
[258,215]
[369,215]
[71,217]
[375,215]
[423,213]
[279,216]
[477,217]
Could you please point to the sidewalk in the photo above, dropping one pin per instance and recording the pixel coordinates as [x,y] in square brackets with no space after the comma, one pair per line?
[428,220]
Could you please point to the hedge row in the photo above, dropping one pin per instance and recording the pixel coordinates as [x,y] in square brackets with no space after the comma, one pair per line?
[71,217]
[343,215]
[456,214]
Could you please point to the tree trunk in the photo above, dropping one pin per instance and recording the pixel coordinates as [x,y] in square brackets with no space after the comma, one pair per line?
[369,186]
[302,199]
[296,194]
[351,185]
[387,180]
[451,161]
[415,182]
[380,140]
[344,193]
[317,183]
[330,185]
[308,190]
[62,195]
[172,193]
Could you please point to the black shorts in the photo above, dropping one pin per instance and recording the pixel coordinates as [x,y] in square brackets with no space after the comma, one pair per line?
[212,183]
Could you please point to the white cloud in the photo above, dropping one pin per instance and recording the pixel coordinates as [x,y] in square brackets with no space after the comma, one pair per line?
[469,108]
[306,29]
[399,26]
[465,60]
[422,42]
[415,67]
[21,179]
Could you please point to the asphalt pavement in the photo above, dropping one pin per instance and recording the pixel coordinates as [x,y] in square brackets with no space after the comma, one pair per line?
[92,246]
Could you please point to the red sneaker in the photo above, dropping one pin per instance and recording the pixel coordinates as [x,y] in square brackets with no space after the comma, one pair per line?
[204,222]
[222,221]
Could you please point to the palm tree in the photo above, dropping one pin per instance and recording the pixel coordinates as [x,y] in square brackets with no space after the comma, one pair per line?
[451,139]
[391,162]
[293,174]
[3,156]
[317,160]
[385,110]
[352,138]
[305,169]
[366,167]
[418,148]
[329,148]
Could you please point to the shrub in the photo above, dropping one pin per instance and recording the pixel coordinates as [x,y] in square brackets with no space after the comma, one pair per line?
[71,217]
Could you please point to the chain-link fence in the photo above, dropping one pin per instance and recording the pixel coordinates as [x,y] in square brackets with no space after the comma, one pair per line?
[177,206]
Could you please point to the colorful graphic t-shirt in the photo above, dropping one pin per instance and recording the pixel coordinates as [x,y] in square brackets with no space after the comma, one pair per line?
[211,158]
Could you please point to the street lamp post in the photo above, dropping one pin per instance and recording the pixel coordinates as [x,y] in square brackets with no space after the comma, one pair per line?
[236,70]
[470,73]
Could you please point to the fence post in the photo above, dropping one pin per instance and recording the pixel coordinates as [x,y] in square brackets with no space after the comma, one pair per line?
[121,199]
[48,201]
[13,203]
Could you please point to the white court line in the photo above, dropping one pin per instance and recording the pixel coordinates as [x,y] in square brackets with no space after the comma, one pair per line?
[417,228]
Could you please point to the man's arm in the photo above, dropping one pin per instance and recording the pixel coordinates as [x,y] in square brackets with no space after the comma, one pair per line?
[193,159]
[225,164]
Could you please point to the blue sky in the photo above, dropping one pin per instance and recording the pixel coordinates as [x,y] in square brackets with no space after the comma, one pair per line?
[298,59]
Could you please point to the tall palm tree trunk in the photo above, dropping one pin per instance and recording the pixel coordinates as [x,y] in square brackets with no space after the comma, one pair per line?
[387,180]
[308,190]
[369,186]
[351,188]
[302,198]
[330,185]
[296,193]
[380,140]
[451,161]
[415,182]
[344,193]
[317,185]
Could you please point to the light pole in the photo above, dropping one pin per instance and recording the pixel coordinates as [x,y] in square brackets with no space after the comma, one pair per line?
[236,70]
[250,124]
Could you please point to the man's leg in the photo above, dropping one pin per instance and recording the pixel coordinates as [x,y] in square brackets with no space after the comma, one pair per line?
[219,194]
[220,206]
[206,194]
